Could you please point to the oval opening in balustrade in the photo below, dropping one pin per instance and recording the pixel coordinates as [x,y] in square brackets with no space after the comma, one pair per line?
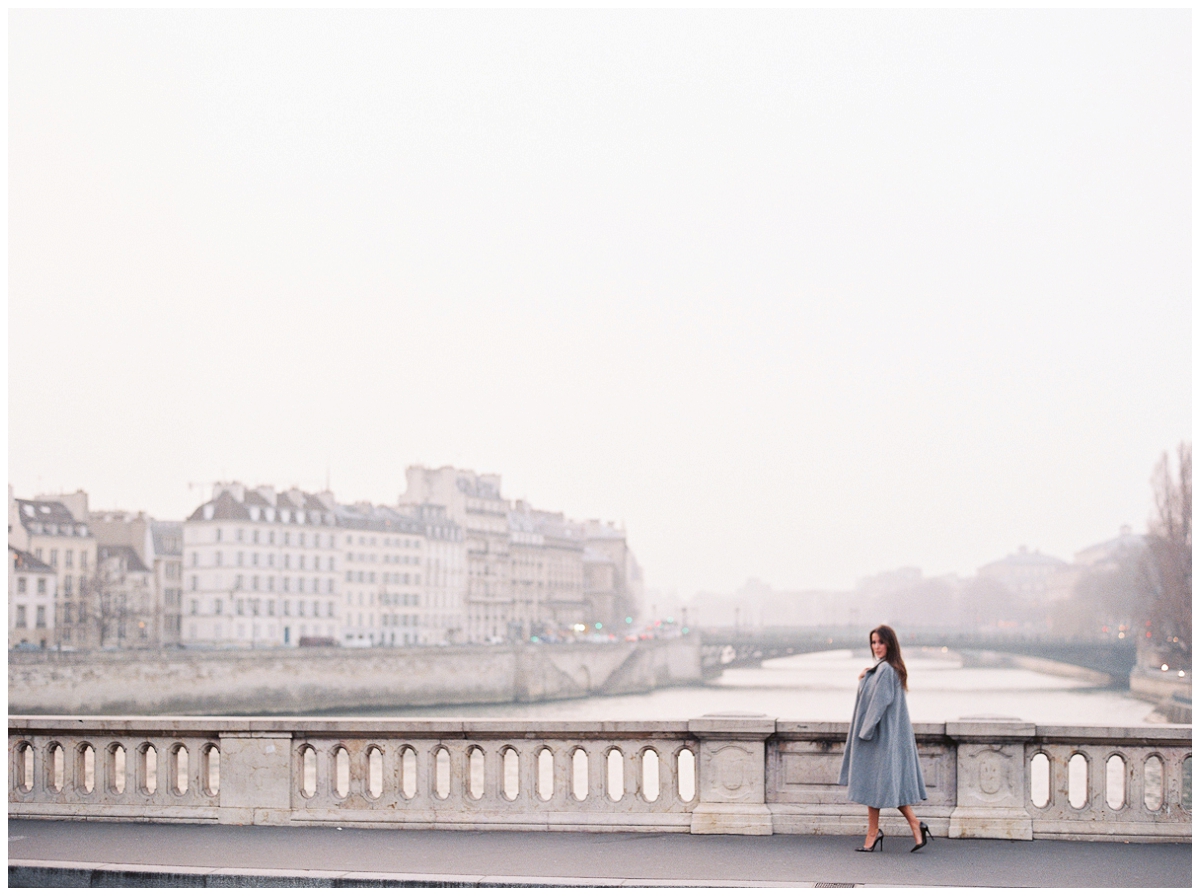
[441,773]
[579,773]
[650,782]
[511,770]
[545,774]
[25,767]
[341,771]
[56,771]
[374,772]
[1077,781]
[1152,782]
[180,771]
[1114,781]
[308,771]
[211,772]
[615,778]
[1186,796]
[685,774]
[475,783]
[86,775]
[1039,780]
[148,769]
[408,772]
[116,768]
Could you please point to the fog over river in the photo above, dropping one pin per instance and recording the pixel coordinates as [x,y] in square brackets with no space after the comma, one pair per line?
[821,686]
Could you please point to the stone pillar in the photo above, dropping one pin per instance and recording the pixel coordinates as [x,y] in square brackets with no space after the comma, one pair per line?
[992,779]
[731,774]
[256,778]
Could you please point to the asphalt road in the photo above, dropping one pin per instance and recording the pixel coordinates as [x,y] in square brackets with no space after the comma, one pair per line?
[587,859]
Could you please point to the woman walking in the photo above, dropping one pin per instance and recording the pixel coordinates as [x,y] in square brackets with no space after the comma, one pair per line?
[880,764]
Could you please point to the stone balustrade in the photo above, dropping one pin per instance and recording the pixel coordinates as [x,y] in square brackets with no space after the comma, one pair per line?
[716,774]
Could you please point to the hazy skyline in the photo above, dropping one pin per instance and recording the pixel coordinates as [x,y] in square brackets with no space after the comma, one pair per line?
[798,295]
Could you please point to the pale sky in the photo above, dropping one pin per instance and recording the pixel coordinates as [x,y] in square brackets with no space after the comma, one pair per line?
[800,295]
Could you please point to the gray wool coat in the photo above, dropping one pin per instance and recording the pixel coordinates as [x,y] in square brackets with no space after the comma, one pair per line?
[880,763]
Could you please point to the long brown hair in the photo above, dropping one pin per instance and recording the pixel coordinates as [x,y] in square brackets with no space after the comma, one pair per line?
[888,636]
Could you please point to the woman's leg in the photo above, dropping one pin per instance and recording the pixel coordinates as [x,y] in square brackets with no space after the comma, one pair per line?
[872,826]
[913,823]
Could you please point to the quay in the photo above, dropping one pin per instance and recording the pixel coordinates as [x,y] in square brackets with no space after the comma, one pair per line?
[728,797]
[82,854]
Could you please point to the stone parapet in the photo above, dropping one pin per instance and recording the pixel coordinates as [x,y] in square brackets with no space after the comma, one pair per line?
[745,774]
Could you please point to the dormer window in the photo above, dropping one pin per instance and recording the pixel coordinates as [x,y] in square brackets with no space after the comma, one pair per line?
[270,512]
[254,514]
[208,512]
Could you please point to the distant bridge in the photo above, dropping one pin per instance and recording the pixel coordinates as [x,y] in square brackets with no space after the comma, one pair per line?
[725,648]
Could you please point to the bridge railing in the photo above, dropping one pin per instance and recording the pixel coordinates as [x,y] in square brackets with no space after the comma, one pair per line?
[715,774]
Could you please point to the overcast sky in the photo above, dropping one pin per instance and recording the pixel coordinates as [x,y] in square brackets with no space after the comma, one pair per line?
[797,295]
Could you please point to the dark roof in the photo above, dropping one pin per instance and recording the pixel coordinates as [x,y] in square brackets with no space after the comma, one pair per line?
[168,537]
[26,562]
[378,519]
[133,563]
[225,507]
[41,514]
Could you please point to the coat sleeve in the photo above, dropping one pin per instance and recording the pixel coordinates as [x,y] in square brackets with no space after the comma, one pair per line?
[882,696]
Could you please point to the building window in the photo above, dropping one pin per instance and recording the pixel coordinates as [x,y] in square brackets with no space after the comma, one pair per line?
[37,552]
[237,582]
[239,534]
[83,559]
[349,576]
[66,586]
[195,583]
[241,559]
[54,557]
[21,585]
[218,606]
[241,607]
[68,558]
[41,617]
[270,608]
[218,535]
[195,608]
[21,616]
[217,558]
[41,589]
[255,534]
[254,583]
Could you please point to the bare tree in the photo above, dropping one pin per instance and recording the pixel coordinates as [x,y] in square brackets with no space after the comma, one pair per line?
[1168,568]
[105,604]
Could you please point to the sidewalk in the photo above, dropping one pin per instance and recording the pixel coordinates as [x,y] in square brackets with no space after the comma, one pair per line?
[71,853]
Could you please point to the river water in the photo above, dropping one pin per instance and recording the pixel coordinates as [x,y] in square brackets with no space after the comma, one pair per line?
[821,687]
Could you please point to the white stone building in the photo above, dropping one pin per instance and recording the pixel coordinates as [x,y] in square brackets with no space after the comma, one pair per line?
[262,569]
[54,530]
[474,503]
[32,586]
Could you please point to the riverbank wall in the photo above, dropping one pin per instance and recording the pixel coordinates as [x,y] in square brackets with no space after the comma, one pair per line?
[305,680]
[1171,694]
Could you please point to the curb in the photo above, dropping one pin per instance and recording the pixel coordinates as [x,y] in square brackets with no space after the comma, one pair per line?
[31,873]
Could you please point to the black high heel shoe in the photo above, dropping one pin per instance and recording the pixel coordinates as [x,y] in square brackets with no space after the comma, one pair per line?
[878,841]
[925,838]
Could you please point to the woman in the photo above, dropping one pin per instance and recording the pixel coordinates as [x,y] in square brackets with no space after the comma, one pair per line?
[880,763]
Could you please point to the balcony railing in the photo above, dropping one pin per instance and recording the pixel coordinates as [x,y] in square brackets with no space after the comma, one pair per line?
[715,774]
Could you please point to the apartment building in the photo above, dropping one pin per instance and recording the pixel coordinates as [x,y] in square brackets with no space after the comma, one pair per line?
[54,530]
[262,568]
[474,503]
[32,585]
[404,575]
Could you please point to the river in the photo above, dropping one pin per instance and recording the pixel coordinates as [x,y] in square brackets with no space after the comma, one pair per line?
[821,686]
